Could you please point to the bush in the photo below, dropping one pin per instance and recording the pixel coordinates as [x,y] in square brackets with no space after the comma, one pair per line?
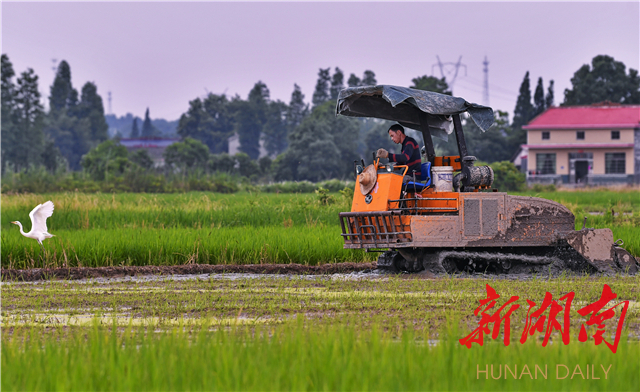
[108,159]
[507,177]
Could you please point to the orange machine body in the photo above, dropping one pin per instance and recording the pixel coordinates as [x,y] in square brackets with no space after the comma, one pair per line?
[387,188]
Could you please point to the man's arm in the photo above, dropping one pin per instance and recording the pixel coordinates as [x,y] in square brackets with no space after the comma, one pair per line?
[406,153]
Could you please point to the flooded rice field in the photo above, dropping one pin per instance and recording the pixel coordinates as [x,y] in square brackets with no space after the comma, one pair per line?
[417,301]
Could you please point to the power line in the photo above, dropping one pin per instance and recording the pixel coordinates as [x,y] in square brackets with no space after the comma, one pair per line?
[450,68]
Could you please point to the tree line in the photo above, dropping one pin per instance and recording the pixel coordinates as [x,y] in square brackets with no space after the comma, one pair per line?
[303,141]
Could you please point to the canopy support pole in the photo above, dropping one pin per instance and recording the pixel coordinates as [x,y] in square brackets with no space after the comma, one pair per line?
[462,145]
[426,136]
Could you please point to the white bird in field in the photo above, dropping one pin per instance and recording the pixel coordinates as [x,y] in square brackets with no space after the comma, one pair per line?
[38,217]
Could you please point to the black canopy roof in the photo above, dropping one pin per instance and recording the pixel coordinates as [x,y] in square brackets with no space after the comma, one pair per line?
[406,106]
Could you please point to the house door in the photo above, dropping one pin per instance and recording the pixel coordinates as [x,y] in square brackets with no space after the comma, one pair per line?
[582,169]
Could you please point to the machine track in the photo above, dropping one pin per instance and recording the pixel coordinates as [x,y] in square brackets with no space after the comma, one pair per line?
[507,261]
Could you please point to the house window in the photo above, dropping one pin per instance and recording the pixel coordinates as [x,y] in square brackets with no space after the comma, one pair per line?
[615,135]
[614,163]
[545,135]
[580,135]
[546,163]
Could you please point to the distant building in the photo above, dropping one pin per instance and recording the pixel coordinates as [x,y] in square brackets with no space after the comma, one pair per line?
[234,146]
[155,146]
[595,145]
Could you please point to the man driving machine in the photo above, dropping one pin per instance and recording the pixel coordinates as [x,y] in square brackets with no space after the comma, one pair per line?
[410,154]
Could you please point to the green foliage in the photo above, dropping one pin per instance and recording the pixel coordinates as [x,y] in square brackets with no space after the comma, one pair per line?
[108,159]
[74,125]
[276,127]
[7,130]
[322,147]
[369,78]
[141,158]
[321,93]
[605,80]
[337,83]
[135,131]
[148,130]
[507,177]
[498,143]
[223,163]
[323,196]
[246,166]
[91,109]
[524,110]
[354,81]
[377,137]
[187,155]
[63,96]
[297,109]
[23,138]
[431,83]
[209,121]
[539,103]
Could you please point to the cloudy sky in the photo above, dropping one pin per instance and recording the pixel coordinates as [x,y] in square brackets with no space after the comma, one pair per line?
[161,55]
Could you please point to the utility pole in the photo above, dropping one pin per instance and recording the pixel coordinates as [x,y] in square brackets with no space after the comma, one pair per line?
[485,86]
[109,98]
[55,66]
[450,69]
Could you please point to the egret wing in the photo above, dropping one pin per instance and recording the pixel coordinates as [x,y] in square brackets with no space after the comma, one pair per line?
[39,216]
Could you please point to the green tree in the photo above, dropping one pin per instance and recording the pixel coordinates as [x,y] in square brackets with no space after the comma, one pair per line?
[337,83]
[247,167]
[354,81]
[26,144]
[507,177]
[70,135]
[297,109]
[523,112]
[276,128]
[141,158]
[91,108]
[369,78]
[539,103]
[62,94]
[548,99]
[148,130]
[209,121]
[107,160]
[378,137]
[135,131]
[322,147]
[605,80]
[186,155]
[431,83]
[321,93]
[8,132]
[498,143]
[250,117]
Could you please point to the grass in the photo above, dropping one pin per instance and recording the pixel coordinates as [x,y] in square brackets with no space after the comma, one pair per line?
[297,357]
[388,333]
[201,227]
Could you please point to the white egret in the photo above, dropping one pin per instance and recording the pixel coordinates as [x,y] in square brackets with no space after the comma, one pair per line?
[38,217]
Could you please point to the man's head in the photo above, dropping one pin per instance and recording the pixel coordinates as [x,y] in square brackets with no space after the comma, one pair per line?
[396,133]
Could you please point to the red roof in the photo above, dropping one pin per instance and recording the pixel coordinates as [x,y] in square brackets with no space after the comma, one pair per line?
[622,116]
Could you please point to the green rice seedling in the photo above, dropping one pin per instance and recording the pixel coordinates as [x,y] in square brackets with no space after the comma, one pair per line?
[304,356]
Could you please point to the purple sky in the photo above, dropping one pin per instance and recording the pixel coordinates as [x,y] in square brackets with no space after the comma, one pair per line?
[162,55]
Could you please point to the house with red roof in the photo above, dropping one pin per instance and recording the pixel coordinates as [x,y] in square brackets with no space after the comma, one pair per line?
[594,145]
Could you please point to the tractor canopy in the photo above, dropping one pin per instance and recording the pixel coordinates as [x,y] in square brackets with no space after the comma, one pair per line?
[408,106]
